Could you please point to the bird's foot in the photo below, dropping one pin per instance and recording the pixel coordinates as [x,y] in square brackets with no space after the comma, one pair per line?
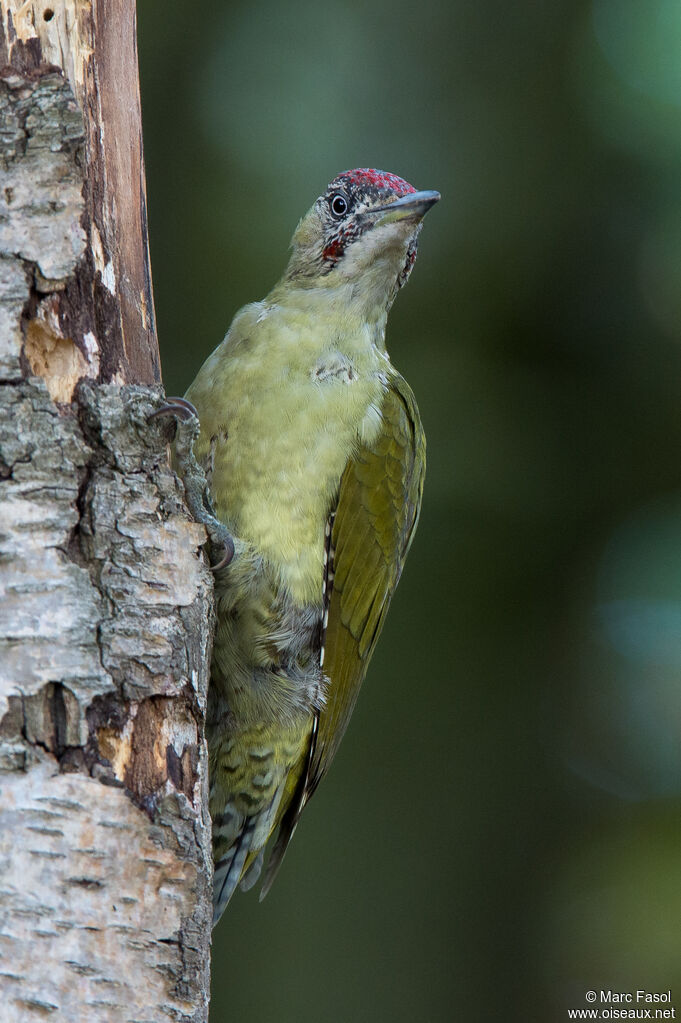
[194,478]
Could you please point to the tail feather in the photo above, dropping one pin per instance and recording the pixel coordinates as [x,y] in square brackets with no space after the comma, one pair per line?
[253,872]
[228,870]
[286,830]
[250,839]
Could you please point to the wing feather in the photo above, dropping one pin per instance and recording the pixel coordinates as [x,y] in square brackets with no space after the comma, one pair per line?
[377,512]
[375,517]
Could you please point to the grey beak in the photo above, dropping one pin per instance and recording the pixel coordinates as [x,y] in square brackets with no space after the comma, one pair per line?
[412,206]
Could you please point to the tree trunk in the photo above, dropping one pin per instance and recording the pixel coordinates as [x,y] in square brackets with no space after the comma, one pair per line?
[105,602]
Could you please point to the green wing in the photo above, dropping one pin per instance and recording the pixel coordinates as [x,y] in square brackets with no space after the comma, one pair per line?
[375,517]
[377,512]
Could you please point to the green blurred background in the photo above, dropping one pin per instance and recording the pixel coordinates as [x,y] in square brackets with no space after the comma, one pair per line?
[500,831]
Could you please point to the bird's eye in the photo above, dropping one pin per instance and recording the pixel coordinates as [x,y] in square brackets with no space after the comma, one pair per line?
[338,205]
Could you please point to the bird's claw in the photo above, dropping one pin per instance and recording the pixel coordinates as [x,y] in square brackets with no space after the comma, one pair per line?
[178,407]
[228,544]
[194,477]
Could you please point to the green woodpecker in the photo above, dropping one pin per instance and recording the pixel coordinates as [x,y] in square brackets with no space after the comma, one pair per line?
[314,456]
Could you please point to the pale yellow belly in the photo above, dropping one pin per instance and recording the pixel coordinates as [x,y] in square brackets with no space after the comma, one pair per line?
[278,471]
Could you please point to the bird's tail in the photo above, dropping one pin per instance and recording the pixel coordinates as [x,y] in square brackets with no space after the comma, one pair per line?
[238,841]
[228,870]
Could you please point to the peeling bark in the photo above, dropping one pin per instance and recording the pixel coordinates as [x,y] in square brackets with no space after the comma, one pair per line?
[104,647]
[105,600]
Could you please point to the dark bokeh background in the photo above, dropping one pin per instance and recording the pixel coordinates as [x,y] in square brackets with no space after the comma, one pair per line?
[500,831]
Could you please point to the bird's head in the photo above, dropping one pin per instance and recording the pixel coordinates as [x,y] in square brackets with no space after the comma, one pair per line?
[362,231]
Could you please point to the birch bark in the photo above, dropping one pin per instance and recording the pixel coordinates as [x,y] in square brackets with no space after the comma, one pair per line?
[105,602]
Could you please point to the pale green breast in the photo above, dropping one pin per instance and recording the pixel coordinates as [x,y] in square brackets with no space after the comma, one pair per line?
[284,403]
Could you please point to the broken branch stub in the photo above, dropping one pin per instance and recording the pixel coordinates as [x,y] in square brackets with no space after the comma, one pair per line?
[70,102]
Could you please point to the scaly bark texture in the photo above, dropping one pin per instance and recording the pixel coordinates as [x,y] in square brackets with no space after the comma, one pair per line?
[105,602]
[104,618]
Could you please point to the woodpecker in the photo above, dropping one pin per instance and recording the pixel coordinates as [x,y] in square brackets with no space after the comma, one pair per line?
[314,456]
